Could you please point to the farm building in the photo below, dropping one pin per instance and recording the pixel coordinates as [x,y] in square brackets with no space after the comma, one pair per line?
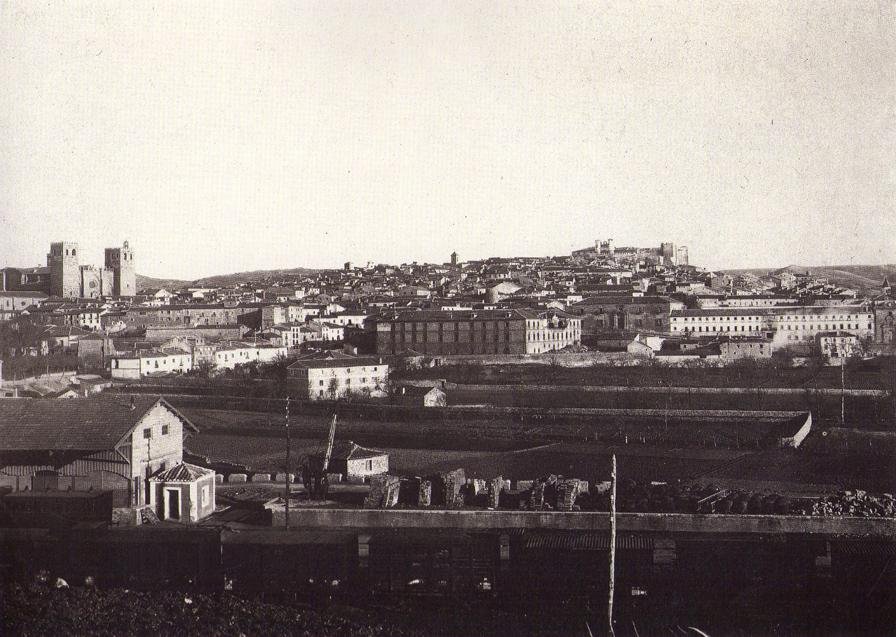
[100,443]
[423,396]
[354,461]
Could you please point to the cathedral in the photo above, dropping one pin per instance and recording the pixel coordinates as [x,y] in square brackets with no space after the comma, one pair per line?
[69,279]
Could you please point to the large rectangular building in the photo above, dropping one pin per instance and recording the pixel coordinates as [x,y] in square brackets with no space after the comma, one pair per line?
[449,333]
[332,378]
[785,324]
[193,314]
[605,315]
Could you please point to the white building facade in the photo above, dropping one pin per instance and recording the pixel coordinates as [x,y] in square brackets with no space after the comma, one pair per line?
[329,379]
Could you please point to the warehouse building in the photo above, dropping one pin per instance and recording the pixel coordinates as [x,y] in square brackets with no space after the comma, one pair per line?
[103,443]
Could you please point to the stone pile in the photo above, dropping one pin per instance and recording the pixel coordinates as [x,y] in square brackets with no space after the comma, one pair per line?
[856,503]
[446,488]
[567,491]
[415,492]
[384,491]
[544,493]
[495,486]
[424,493]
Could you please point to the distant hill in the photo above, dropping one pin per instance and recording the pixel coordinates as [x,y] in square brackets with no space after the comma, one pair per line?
[144,282]
[223,280]
[858,277]
[226,280]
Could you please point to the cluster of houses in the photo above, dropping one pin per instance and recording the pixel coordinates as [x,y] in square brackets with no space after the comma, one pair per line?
[646,301]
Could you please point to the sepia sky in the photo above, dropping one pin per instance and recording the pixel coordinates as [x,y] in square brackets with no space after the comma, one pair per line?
[233,136]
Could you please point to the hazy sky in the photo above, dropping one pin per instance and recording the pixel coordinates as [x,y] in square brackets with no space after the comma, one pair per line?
[232,136]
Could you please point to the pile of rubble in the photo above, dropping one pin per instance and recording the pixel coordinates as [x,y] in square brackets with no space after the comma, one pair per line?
[446,489]
[856,503]
[384,492]
[453,490]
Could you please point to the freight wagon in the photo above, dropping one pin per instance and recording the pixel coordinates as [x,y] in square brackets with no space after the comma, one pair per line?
[423,562]
[296,564]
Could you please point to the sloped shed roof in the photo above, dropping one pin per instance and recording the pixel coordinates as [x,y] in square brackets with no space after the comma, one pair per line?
[76,424]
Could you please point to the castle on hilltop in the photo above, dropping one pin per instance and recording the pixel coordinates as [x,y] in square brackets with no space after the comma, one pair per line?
[605,249]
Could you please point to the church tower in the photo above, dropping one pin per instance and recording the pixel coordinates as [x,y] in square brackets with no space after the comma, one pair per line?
[124,277]
[65,275]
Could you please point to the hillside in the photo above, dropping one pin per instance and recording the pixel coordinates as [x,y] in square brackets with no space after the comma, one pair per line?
[865,278]
[144,282]
[223,280]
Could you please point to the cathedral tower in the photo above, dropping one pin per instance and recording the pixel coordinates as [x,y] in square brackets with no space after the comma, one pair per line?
[65,275]
[124,277]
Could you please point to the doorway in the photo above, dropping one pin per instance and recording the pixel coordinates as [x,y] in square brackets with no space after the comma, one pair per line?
[172,504]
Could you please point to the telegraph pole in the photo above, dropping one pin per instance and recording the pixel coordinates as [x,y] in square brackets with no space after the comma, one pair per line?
[843,392]
[287,463]
[612,547]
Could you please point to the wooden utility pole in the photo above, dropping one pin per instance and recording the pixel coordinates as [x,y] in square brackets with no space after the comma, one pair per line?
[287,463]
[842,392]
[612,547]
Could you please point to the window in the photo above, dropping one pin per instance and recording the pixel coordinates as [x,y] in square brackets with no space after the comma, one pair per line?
[164,430]
[370,465]
[147,433]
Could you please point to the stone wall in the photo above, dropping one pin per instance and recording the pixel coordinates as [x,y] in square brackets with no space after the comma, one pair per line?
[590,521]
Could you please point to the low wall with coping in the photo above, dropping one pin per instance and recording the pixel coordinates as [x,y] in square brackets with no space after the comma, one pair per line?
[628,389]
[588,521]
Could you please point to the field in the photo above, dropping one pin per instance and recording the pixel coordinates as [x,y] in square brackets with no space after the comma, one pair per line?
[727,455]
[266,453]
[591,462]
[878,374]
[871,413]
[248,438]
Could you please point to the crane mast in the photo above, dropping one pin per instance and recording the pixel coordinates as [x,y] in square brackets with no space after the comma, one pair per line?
[329,452]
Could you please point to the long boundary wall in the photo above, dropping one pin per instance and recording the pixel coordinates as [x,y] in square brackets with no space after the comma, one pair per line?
[589,521]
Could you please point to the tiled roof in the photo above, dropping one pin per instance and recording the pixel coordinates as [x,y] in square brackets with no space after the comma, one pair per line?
[16,294]
[826,310]
[76,424]
[622,300]
[348,450]
[182,472]
[457,315]
[336,362]
[63,330]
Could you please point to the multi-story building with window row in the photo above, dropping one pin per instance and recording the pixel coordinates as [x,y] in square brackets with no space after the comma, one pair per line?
[448,333]
[785,324]
[331,378]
